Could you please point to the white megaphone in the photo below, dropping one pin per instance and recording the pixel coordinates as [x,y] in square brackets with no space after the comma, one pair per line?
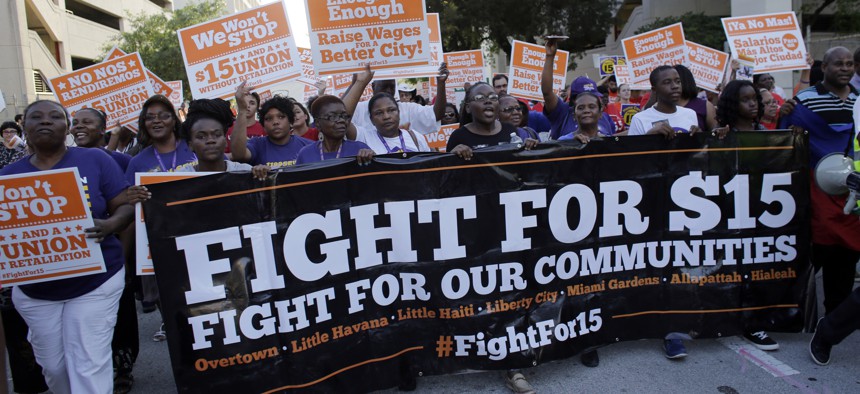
[835,175]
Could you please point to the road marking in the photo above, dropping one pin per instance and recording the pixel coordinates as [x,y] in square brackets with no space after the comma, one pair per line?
[758,357]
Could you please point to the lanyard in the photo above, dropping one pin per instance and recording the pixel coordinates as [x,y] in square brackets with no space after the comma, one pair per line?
[161,163]
[387,149]
[336,156]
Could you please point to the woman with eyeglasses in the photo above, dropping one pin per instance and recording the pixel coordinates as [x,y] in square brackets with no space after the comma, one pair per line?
[481,126]
[279,148]
[333,122]
[165,151]
[451,114]
[13,148]
[770,110]
[511,111]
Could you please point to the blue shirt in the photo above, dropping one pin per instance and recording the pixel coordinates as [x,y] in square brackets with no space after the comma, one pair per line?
[264,151]
[311,153]
[562,121]
[104,181]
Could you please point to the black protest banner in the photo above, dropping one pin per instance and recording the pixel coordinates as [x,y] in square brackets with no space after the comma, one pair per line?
[340,277]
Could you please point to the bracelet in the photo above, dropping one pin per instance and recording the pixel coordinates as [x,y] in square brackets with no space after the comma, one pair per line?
[802,81]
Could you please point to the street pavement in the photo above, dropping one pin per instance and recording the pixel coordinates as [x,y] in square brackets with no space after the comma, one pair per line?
[725,365]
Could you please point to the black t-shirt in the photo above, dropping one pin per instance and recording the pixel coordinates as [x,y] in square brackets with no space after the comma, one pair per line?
[475,141]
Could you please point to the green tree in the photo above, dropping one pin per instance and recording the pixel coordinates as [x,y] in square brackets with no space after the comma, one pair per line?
[845,18]
[466,24]
[154,37]
[699,28]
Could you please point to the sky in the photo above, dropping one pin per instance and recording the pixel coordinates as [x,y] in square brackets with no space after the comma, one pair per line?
[297,13]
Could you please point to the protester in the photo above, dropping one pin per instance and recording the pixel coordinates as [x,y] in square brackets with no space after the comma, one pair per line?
[587,110]
[705,112]
[251,103]
[279,148]
[805,80]
[666,117]
[422,119]
[481,127]
[302,124]
[560,113]
[387,136]
[123,140]
[766,81]
[88,128]
[451,114]
[72,320]
[406,93]
[739,106]
[826,112]
[13,148]
[500,84]
[511,112]
[333,121]
[770,110]
[834,327]
[614,108]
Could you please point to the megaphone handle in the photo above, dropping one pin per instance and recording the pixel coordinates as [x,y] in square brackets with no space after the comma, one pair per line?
[851,203]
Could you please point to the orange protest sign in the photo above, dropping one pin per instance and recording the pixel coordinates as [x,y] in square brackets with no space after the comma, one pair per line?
[144,258]
[774,41]
[42,220]
[158,85]
[346,35]
[439,139]
[463,66]
[436,53]
[309,76]
[707,65]
[526,66]
[646,51]
[118,86]
[255,46]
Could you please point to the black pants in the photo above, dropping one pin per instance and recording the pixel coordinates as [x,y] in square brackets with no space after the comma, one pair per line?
[842,321]
[126,343]
[837,264]
[26,372]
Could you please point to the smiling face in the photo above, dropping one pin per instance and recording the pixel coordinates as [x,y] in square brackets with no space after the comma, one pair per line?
[208,140]
[450,115]
[483,104]
[159,122]
[333,120]
[769,103]
[88,130]
[586,110]
[277,125]
[46,125]
[385,115]
[747,103]
[509,111]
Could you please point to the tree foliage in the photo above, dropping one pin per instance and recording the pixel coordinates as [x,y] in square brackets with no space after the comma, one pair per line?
[846,15]
[699,28]
[466,24]
[154,37]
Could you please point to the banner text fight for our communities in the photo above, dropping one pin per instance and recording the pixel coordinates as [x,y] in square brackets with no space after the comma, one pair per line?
[523,210]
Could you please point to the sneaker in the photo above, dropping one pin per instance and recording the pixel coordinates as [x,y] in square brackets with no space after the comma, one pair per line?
[819,350]
[761,340]
[590,358]
[159,335]
[674,348]
[518,383]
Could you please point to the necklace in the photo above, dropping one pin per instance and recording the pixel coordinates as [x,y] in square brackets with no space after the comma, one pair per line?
[388,149]
[161,163]
[336,156]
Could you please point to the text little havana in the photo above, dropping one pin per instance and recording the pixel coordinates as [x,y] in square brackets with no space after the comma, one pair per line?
[537,335]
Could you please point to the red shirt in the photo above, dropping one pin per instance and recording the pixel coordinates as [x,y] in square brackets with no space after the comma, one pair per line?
[254,130]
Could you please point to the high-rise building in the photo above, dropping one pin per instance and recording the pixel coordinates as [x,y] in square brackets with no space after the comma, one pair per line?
[42,39]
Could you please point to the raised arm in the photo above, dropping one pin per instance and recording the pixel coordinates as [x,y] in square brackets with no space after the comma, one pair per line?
[550,100]
[239,138]
[356,88]
[441,97]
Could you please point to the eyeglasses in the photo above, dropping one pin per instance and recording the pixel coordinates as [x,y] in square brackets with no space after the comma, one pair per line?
[481,97]
[161,115]
[10,131]
[336,117]
[509,110]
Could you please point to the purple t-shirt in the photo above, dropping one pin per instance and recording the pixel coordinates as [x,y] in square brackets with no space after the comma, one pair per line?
[562,121]
[105,181]
[149,160]
[313,152]
[120,158]
[264,151]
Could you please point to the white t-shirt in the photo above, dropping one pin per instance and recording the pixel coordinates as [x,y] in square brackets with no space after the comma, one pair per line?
[681,120]
[421,118]
[232,166]
[372,138]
